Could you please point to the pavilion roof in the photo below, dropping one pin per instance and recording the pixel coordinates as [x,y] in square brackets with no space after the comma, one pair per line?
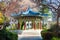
[28,12]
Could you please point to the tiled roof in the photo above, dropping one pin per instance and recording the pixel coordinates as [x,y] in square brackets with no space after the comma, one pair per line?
[26,13]
[29,12]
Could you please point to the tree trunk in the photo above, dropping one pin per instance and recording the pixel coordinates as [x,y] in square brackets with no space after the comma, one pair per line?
[57,26]
[57,21]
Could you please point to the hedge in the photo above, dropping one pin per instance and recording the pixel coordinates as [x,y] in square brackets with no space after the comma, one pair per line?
[6,35]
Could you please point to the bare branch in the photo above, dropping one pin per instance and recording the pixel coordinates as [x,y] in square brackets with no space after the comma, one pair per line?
[54,3]
[51,6]
[58,1]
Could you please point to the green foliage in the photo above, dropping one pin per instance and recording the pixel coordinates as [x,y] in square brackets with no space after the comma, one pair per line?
[2,18]
[6,35]
[44,9]
[54,28]
[44,26]
[55,38]
[22,25]
[51,34]
[47,35]
[12,36]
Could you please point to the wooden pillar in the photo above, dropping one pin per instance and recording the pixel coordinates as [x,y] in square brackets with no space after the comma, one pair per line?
[40,25]
[18,25]
[34,26]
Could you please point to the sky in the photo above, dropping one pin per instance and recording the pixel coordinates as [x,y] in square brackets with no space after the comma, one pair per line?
[0,0]
[55,1]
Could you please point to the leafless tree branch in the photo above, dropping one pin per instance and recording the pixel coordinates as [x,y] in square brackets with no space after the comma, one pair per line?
[58,1]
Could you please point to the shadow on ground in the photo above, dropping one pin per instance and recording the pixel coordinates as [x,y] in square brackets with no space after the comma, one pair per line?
[31,38]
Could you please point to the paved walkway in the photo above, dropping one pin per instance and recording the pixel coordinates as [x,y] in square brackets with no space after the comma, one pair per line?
[30,35]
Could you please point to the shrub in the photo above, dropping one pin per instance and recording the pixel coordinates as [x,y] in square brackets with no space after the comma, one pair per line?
[47,35]
[54,28]
[55,38]
[6,35]
[52,33]
[58,34]
[11,36]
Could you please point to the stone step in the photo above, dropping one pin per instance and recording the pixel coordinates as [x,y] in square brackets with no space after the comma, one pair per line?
[31,32]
